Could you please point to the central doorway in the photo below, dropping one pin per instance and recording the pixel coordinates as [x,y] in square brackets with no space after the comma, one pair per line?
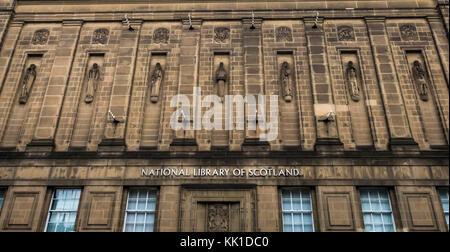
[217,210]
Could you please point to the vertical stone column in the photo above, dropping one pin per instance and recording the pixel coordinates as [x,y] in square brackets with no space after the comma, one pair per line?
[268,209]
[253,73]
[324,108]
[169,204]
[188,79]
[64,56]
[398,125]
[8,47]
[6,11]
[114,134]
[441,42]
[443,8]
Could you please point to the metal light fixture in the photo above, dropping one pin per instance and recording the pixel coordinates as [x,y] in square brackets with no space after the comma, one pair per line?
[253,21]
[316,21]
[190,22]
[128,23]
[114,119]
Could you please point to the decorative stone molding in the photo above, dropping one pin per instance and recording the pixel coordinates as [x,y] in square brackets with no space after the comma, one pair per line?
[346,33]
[100,36]
[283,33]
[161,35]
[222,34]
[40,37]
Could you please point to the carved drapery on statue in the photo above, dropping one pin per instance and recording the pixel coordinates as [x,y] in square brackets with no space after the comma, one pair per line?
[286,81]
[91,87]
[221,80]
[155,82]
[352,82]
[420,80]
[27,83]
[218,218]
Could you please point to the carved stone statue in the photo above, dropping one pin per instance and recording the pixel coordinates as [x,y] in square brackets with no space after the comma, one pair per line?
[286,81]
[221,80]
[155,82]
[27,83]
[218,218]
[93,78]
[352,79]
[421,80]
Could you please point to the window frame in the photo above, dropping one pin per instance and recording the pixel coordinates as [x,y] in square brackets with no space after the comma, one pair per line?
[49,211]
[313,205]
[391,204]
[126,192]
[5,190]
[442,204]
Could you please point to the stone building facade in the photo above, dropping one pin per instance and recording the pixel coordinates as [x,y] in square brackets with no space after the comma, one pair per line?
[85,111]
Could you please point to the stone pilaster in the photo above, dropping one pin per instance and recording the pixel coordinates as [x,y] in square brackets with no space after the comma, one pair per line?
[398,125]
[114,134]
[6,12]
[253,74]
[7,49]
[54,95]
[188,79]
[441,42]
[324,107]
[169,204]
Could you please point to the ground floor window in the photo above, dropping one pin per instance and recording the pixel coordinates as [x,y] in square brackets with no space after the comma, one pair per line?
[443,193]
[297,210]
[377,210]
[140,211]
[63,210]
[2,197]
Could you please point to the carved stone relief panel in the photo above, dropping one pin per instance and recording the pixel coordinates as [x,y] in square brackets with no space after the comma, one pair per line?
[221,34]
[100,36]
[40,37]
[218,217]
[161,36]
[283,34]
[346,33]
[408,32]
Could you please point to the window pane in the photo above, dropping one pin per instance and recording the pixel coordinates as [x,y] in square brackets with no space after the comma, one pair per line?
[377,210]
[140,211]
[63,210]
[443,193]
[2,197]
[297,210]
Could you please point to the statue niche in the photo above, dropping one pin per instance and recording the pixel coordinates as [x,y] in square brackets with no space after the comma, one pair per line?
[27,83]
[221,80]
[286,81]
[420,77]
[155,82]
[93,78]
[352,81]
